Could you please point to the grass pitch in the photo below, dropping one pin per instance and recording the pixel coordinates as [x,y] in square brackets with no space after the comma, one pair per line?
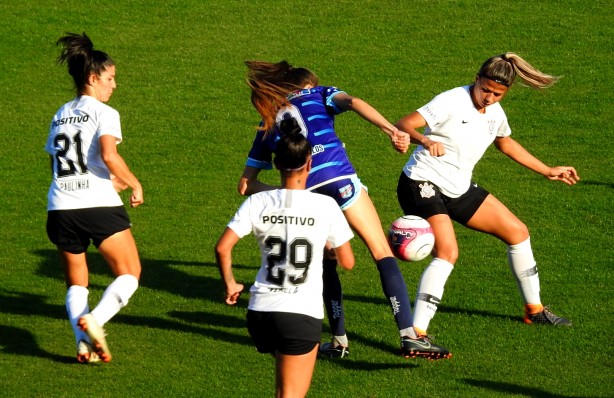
[188,125]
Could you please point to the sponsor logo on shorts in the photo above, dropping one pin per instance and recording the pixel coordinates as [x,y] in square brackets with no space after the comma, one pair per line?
[346,191]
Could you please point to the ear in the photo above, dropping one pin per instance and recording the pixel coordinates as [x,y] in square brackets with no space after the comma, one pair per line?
[308,165]
[92,78]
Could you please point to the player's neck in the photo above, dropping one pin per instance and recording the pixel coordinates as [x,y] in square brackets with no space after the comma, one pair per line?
[295,182]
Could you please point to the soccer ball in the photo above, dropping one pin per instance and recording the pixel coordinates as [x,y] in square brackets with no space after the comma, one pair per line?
[411,238]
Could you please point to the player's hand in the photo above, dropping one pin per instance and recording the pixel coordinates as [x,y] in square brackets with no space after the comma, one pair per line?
[118,184]
[566,174]
[400,141]
[233,293]
[136,198]
[435,148]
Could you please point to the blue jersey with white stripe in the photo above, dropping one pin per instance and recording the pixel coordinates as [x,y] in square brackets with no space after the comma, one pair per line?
[315,113]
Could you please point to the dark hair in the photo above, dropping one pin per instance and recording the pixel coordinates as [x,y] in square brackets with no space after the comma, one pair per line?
[504,68]
[292,152]
[82,60]
[271,83]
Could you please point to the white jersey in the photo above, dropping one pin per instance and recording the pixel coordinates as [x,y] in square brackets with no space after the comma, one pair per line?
[80,177]
[466,134]
[291,228]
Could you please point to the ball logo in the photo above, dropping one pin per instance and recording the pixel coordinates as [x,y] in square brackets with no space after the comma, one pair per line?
[411,238]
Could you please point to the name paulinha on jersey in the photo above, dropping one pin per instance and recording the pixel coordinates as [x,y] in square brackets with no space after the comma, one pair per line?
[74,185]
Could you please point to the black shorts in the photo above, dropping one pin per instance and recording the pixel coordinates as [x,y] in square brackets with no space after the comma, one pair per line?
[283,332]
[424,199]
[72,230]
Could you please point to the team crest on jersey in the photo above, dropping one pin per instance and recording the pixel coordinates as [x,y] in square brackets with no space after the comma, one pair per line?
[491,126]
[346,191]
[427,190]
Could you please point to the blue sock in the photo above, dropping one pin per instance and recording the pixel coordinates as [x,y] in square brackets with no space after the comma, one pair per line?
[333,298]
[395,291]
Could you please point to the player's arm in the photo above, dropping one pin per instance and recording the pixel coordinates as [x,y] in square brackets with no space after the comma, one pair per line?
[410,124]
[249,183]
[119,169]
[223,257]
[519,154]
[345,102]
[345,255]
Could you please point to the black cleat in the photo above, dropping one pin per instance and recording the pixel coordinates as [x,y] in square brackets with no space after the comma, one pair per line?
[331,350]
[546,318]
[422,347]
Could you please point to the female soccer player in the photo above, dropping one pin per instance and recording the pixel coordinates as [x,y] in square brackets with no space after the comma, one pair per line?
[282,93]
[436,181]
[292,227]
[83,204]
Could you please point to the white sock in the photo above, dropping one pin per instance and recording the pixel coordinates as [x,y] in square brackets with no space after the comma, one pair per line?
[430,291]
[115,297]
[77,306]
[523,266]
[342,340]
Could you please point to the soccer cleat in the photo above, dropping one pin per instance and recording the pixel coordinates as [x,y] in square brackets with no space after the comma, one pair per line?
[333,350]
[545,317]
[88,324]
[86,353]
[422,347]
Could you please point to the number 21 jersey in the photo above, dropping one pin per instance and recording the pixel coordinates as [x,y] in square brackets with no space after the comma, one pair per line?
[81,179]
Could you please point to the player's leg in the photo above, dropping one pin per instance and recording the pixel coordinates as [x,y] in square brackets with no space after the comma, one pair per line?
[120,252]
[365,221]
[333,303]
[434,277]
[76,275]
[494,218]
[64,229]
[294,373]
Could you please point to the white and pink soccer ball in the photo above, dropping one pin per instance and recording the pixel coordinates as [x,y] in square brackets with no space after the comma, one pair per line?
[411,238]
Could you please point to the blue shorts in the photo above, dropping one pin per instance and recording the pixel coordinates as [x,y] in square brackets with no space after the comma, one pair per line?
[72,230]
[459,209]
[345,191]
[284,332]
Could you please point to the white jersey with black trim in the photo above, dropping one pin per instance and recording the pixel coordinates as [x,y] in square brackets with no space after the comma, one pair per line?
[466,134]
[291,228]
[81,179]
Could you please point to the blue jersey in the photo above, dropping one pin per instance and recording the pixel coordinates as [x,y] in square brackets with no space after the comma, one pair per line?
[315,113]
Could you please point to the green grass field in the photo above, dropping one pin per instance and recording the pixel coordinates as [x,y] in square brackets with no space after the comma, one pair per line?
[188,125]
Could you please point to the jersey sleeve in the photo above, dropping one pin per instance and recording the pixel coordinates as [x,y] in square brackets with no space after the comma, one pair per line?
[329,93]
[504,128]
[241,222]
[260,155]
[437,111]
[340,231]
[109,124]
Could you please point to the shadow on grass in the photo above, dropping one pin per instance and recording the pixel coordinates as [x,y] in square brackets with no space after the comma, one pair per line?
[514,389]
[160,275]
[18,341]
[485,314]
[366,366]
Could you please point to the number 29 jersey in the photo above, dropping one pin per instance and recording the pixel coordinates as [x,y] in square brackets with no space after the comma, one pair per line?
[81,179]
[291,228]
